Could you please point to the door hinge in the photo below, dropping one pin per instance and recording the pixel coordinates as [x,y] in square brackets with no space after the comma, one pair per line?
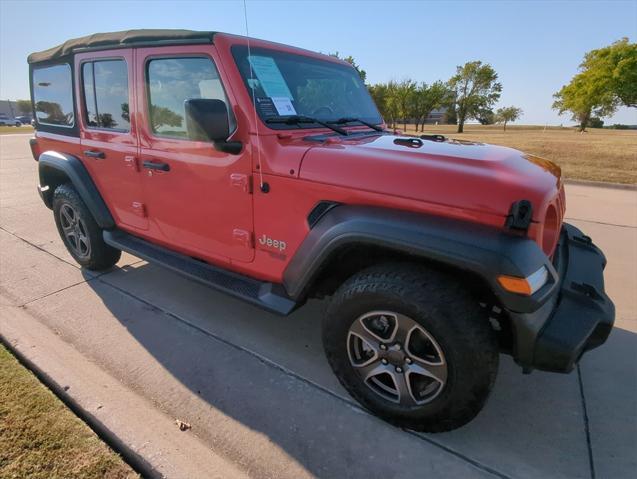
[131,162]
[241,181]
[139,209]
[244,237]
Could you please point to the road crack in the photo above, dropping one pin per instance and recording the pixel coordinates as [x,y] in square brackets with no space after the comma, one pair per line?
[601,223]
[589,446]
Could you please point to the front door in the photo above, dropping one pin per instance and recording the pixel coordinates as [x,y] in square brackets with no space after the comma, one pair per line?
[198,198]
[109,137]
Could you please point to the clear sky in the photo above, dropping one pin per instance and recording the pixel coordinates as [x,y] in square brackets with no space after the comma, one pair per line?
[535,46]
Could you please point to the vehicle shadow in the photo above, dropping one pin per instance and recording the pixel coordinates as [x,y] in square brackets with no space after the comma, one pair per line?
[269,374]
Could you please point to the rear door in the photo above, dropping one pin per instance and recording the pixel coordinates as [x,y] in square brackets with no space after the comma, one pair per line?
[108,135]
[201,203]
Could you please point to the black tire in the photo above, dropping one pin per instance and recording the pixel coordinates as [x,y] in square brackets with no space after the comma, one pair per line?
[466,348]
[91,252]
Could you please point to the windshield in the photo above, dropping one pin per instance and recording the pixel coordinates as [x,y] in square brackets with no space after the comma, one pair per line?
[287,84]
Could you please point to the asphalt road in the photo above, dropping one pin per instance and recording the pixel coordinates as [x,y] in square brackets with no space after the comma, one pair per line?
[139,347]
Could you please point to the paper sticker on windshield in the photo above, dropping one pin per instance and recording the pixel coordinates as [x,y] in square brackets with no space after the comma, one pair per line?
[265,106]
[283,106]
[270,77]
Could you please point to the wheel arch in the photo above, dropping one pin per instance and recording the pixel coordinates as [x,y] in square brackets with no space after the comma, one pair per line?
[477,253]
[56,168]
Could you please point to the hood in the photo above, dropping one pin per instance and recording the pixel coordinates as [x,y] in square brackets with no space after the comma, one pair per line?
[465,175]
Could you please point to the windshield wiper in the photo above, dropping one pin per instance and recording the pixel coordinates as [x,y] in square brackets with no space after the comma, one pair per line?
[296,119]
[342,121]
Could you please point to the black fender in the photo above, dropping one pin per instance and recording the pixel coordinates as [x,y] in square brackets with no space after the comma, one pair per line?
[482,250]
[56,168]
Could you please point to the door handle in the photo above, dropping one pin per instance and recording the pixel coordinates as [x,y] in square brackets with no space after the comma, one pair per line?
[154,165]
[95,154]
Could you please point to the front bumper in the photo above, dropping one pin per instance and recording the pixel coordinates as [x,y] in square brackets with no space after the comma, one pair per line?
[578,317]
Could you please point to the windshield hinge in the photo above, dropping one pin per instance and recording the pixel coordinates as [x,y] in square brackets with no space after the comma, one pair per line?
[520,215]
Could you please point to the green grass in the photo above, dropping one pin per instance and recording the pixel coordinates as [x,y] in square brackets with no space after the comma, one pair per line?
[41,438]
[597,155]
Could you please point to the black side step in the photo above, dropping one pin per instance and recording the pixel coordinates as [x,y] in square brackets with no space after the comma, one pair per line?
[269,296]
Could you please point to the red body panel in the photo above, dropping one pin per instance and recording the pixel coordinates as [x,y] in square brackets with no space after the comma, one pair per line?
[201,207]
[116,175]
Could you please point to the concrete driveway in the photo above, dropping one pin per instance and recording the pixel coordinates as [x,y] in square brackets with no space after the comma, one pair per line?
[138,347]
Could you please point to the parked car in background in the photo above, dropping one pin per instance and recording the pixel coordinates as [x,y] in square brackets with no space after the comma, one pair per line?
[6,121]
[25,119]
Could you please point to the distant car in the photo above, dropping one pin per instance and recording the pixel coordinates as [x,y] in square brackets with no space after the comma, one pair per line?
[6,121]
[24,120]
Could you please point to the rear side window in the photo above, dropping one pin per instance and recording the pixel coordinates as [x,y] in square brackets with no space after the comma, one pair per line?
[53,95]
[106,94]
[171,81]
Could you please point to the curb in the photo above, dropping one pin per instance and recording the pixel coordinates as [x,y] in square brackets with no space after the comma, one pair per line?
[602,184]
[134,460]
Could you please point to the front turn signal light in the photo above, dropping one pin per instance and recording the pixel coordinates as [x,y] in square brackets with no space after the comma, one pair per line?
[526,286]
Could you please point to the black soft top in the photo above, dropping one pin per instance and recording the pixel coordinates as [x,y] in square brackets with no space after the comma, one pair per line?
[124,39]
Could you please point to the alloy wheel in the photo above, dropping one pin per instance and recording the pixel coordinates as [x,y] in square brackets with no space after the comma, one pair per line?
[397,358]
[75,231]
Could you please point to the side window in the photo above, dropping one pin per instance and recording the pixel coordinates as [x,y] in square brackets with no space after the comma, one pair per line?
[53,95]
[171,81]
[106,94]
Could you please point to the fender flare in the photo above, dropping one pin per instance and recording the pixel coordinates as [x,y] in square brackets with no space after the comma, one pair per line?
[485,251]
[53,165]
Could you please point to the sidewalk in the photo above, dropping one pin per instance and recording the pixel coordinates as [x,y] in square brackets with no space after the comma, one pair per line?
[256,388]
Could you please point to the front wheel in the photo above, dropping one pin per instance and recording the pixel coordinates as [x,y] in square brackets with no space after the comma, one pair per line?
[412,346]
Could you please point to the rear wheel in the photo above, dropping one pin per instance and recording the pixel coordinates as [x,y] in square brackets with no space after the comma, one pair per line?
[79,231]
[412,346]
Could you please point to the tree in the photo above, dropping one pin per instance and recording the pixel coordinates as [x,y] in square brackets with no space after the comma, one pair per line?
[578,98]
[125,113]
[24,106]
[393,108]
[385,96]
[106,120]
[451,117]
[615,67]
[476,88]
[350,59]
[54,111]
[486,117]
[403,95]
[607,80]
[507,114]
[380,94]
[428,98]
[161,116]
[595,122]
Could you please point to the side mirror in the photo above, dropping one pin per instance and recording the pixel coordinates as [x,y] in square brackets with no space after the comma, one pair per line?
[207,120]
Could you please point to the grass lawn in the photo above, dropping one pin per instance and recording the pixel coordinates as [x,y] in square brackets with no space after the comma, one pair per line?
[599,154]
[7,130]
[41,438]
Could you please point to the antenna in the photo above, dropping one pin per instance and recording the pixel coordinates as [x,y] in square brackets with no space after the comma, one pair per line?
[254,103]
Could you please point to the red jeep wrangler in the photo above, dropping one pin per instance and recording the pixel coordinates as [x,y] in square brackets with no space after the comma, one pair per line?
[266,172]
